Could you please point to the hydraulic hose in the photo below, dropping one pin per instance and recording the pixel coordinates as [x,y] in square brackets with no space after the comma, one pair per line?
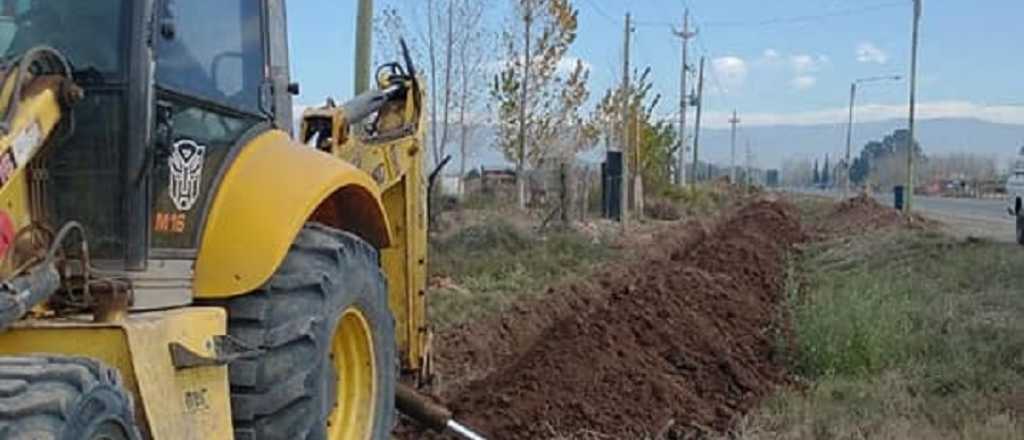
[22,293]
[27,290]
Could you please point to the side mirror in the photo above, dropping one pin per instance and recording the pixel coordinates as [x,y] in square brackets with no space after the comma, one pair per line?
[293,89]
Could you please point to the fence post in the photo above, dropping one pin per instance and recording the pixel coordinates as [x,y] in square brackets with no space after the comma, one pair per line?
[584,194]
[563,179]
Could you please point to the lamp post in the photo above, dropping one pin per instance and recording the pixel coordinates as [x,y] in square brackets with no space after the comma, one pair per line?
[849,124]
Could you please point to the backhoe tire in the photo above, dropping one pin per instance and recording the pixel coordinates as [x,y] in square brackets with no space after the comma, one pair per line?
[330,281]
[63,398]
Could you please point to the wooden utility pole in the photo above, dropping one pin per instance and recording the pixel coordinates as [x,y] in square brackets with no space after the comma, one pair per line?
[696,129]
[624,139]
[364,46]
[732,166]
[684,98]
[523,101]
[908,193]
[849,141]
[638,177]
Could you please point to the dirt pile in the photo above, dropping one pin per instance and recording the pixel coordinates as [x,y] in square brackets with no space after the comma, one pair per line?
[863,213]
[680,341]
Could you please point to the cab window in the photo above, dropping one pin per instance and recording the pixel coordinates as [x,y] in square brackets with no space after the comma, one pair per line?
[60,24]
[212,51]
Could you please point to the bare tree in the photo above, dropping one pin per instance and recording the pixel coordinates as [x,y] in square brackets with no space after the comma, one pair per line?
[963,166]
[433,46]
[797,173]
[471,58]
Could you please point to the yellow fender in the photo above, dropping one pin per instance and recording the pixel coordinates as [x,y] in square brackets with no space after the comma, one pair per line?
[269,192]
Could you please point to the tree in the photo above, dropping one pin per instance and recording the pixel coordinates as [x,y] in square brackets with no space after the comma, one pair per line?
[880,161]
[796,173]
[439,42]
[471,57]
[817,175]
[537,104]
[826,173]
[657,139]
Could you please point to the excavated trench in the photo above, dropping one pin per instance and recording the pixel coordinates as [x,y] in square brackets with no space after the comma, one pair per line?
[681,340]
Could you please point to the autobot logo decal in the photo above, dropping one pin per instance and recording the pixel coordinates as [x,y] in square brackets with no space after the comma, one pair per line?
[186,164]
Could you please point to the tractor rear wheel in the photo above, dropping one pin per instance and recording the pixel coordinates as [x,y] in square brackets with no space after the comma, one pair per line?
[63,398]
[328,367]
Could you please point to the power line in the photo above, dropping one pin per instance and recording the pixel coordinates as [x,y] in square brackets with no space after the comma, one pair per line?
[781,20]
[807,18]
[601,11]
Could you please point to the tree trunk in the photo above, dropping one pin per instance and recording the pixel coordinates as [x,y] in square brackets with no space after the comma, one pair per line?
[463,129]
[432,54]
[447,103]
[521,163]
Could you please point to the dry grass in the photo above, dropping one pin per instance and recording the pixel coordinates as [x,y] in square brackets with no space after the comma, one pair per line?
[902,335]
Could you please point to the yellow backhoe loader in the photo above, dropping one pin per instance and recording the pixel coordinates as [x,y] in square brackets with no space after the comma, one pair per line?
[174,265]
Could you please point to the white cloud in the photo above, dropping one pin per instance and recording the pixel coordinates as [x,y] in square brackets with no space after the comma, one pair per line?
[731,71]
[869,53]
[804,82]
[770,56]
[804,63]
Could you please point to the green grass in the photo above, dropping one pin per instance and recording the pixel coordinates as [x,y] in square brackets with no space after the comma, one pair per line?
[493,265]
[902,334]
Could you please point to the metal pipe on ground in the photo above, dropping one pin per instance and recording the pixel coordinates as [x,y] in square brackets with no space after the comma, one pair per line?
[431,415]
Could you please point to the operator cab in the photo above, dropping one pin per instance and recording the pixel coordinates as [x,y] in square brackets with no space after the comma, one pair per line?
[173,89]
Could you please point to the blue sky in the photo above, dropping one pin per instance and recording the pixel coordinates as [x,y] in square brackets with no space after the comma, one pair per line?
[767,66]
[777,62]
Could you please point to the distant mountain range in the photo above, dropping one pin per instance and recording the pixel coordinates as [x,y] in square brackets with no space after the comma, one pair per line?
[771,145]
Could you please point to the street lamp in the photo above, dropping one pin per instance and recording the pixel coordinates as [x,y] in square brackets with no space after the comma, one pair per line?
[849,124]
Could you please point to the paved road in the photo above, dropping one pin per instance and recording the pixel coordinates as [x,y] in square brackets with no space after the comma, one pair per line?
[963,217]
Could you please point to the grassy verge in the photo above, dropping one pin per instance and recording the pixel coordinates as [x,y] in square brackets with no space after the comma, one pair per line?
[484,268]
[905,335]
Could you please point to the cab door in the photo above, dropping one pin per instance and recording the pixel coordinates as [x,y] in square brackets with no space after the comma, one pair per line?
[213,94]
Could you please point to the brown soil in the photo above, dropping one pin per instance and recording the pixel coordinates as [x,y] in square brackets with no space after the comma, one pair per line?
[681,340]
[861,214]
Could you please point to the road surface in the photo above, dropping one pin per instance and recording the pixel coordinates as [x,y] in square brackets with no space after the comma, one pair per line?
[985,218]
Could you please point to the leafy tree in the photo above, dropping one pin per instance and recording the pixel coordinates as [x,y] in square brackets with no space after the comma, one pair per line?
[892,146]
[657,139]
[536,40]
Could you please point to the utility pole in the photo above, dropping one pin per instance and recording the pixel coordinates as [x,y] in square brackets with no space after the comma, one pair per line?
[909,191]
[849,140]
[684,98]
[624,140]
[523,101]
[638,178]
[732,166]
[364,46]
[696,132]
[750,159]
